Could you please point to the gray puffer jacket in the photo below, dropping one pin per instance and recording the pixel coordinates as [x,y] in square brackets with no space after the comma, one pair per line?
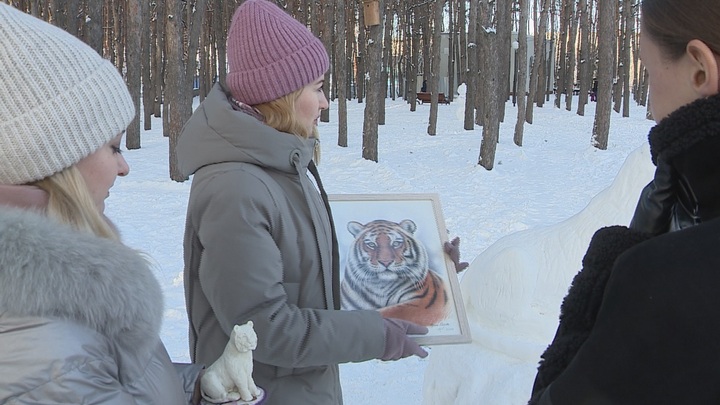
[258,246]
[79,320]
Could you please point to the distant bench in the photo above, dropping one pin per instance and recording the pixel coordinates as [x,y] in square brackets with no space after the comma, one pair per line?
[424,97]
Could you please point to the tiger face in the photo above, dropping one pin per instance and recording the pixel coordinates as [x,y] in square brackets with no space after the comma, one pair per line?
[388,269]
[388,250]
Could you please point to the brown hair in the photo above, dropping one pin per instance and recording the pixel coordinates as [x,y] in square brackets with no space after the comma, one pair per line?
[674,23]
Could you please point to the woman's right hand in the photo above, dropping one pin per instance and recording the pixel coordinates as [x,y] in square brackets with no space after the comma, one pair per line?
[398,344]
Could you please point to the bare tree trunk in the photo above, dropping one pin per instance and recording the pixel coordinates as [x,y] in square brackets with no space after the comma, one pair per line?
[221,26]
[403,53]
[386,57]
[374,59]
[463,45]
[628,13]
[35,9]
[570,71]
[471,78]
[362,49]
[538,66]
[414,60]
[550,70]
[148,91]
[93,25]
[396,49]
[451,53]
[585,63]
[637,72]
[644,87]
[159,58]
[350,50]
[562,48]
[520,85]
[205,55]
[328,14]
[483,24]
[173,119]
[491,82]
[119,36]
[606,57]
[133,41]
[435,66]
[617,75]
[341,69]
[503,24]
[59,15]
[72,20]
[425,16]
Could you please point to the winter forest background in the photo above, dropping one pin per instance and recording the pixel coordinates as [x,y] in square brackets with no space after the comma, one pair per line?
[526,166]
[173,50]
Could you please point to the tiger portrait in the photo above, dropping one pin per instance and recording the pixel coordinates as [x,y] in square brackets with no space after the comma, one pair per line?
[387,268]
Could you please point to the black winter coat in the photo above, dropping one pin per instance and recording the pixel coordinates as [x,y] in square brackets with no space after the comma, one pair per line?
[639,324]
[680,194]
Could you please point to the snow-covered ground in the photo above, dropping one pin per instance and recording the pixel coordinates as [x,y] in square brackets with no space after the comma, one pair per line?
[520,226]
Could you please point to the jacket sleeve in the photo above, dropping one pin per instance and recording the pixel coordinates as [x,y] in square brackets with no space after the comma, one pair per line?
[241,273]
[580,307]
[92,383]
[189,375]
[654,208]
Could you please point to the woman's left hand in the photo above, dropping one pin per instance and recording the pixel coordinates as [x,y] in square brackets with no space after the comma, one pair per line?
[452,248]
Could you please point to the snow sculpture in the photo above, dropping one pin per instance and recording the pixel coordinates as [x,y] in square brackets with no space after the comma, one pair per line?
[512,293]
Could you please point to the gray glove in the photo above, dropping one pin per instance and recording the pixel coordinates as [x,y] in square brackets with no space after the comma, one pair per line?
[397,343]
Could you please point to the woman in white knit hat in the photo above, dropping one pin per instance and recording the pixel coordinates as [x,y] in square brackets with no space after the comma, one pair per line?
[259,241]
[80,313]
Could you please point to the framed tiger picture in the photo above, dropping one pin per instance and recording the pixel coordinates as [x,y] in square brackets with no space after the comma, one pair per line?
[392,260]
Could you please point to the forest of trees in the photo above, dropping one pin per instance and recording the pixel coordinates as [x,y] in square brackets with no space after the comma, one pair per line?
[170,51]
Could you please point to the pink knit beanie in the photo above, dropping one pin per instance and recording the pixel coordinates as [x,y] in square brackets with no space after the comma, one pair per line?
[270,54]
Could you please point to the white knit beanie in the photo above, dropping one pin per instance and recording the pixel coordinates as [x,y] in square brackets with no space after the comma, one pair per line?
[59,100]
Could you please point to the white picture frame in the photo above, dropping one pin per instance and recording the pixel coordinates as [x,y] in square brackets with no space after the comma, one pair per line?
[425,212]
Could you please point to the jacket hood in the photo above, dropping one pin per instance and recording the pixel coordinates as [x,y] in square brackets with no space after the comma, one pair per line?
[217,133]
[51,271]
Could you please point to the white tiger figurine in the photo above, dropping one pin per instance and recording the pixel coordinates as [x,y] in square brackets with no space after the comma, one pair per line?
[229,378]
[388,269]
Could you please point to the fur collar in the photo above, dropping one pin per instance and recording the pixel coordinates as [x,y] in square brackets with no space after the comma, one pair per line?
[685,127]
[49,270]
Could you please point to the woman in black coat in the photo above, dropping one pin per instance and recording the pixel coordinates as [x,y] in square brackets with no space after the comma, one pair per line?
[640,322]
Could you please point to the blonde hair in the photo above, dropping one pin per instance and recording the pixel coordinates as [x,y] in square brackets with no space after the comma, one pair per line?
[70,203]
[280,114]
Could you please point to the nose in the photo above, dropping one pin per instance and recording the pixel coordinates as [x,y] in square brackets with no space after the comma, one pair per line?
[123,167]
[323,102]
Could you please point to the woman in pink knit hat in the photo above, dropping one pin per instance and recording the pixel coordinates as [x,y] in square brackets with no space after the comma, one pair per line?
[259,243]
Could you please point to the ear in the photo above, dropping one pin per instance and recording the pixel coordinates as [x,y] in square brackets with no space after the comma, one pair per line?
[705,74]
